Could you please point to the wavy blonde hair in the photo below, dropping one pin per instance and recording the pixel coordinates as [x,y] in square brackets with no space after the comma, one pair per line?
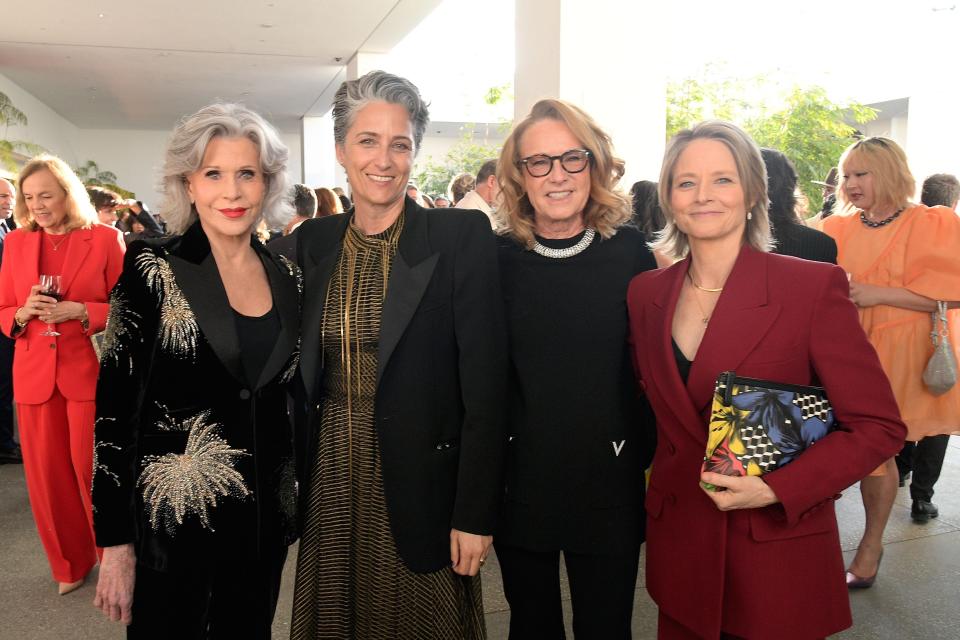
[893,183]
[673,242]
[80,211]
[607,207]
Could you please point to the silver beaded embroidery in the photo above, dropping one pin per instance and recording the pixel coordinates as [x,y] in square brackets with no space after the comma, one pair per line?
[179,332]
[568,252]
[287,492]
[297,274]
[122,324]
[166,423]
[99,467]
[176,486]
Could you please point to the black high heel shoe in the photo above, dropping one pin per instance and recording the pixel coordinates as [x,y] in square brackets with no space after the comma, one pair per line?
[857,582]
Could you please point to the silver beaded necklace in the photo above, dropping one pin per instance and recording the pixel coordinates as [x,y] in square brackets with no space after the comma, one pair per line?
[567,252]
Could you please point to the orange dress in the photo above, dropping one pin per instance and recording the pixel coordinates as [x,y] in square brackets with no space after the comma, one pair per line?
[920,252]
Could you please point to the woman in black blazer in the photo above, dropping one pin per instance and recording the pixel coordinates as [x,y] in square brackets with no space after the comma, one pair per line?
[403,366]
[578,438]
[791,236]
[194,481]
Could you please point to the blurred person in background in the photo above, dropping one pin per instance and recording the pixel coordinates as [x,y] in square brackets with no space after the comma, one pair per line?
[460,185]
[9,447]
[901,259]
[328,202]
[304,201]
[924,459]
[791,236]
[483,197]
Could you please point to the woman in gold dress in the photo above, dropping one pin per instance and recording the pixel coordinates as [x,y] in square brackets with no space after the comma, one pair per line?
[403,365]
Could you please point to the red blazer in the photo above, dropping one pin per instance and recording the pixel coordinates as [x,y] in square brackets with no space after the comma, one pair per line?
[775,572]
[91,268]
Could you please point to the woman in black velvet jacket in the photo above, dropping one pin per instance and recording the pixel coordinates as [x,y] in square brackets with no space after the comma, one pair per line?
[194,479]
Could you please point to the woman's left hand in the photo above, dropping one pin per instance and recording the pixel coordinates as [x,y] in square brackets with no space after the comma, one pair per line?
[748,492]
[63,311]
[468,551]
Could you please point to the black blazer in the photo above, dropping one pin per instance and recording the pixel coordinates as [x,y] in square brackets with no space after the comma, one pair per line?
[171,386]
[441,375]
[800,241]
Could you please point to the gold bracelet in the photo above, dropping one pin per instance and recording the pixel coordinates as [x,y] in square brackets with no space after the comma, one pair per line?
[16,320]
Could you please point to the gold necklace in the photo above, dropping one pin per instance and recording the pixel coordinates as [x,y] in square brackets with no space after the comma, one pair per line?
[703,314]
[708,290]
[56,245]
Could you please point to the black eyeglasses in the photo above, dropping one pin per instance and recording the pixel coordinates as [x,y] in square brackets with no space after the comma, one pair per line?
[572,161]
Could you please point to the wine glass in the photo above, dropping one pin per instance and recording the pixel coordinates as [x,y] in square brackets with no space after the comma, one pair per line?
[50,286]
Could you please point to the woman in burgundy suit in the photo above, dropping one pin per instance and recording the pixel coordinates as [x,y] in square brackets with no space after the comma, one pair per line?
[54,366]
[760,558]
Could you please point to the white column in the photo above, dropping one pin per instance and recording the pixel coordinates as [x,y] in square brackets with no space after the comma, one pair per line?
[605,56]
[364,62]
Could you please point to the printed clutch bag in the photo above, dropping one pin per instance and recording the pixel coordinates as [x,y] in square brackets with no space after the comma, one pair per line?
[757,426]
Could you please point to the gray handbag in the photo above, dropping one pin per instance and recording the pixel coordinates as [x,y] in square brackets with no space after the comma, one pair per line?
[941,372]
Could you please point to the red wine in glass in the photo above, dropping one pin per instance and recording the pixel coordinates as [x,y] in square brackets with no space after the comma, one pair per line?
[50,286]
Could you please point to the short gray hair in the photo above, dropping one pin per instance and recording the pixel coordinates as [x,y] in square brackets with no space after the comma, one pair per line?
[184,156]
[670,240]
[378,86]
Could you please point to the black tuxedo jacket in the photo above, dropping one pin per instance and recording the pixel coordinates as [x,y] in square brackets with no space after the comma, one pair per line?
[441,375]
[189,454]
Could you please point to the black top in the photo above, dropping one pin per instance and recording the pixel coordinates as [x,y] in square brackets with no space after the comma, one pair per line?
[578,437]
[800,241]
[683,365]
[257,337]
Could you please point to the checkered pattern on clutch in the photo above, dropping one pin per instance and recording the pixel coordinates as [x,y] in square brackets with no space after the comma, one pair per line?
[757,426]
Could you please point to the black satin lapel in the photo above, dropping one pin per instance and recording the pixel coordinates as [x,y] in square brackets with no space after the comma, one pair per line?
[201,284]
[404,292]
[316,279]
[284,289]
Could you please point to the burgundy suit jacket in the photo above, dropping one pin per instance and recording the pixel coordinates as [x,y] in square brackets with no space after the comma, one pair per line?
[93,263]
[775,572]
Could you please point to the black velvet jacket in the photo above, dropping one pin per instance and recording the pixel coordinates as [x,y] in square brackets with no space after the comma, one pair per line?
[441,375]
[187,451]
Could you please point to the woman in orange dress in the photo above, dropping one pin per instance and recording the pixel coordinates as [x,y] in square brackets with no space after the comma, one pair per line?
[901,259]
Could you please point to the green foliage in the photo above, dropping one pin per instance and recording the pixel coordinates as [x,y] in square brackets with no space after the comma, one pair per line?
[466,156]
[809,128]
[9,149]
[91,176]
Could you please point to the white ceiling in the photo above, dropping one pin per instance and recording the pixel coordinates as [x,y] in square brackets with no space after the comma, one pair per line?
[117,64]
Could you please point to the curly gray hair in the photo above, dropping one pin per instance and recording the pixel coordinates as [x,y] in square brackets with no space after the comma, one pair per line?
[354,95]
[189,142]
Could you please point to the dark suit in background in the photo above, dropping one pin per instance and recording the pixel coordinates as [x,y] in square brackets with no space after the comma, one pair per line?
[9,449]
[800,241]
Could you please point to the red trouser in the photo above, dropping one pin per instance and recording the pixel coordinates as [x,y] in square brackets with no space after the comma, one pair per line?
[57,442]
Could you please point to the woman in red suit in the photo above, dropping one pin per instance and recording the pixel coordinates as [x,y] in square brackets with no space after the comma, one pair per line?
[760,558]
[55,376]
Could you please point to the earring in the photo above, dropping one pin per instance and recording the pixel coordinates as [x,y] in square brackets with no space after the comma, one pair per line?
[749,215]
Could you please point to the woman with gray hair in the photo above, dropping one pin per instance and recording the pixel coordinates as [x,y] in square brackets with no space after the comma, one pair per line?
[403,363]
[194,481]
[732,553]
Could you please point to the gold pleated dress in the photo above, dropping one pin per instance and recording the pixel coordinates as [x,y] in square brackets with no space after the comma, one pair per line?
[350,582]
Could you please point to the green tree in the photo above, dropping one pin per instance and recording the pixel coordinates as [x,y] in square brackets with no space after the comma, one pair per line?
[91,175]
[812,131]
[808,127]
[466,156]
[10,115]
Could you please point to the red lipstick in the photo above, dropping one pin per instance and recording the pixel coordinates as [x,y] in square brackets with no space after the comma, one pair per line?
[233,213]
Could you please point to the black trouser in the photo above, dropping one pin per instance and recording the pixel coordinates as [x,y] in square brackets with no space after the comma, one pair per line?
[6,393]
[924,459]
[602,589]
[232,596]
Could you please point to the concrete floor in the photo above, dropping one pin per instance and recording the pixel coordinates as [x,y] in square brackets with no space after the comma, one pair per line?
[910,599]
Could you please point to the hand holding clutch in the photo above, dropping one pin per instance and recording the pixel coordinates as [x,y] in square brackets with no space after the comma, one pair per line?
[733,492]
